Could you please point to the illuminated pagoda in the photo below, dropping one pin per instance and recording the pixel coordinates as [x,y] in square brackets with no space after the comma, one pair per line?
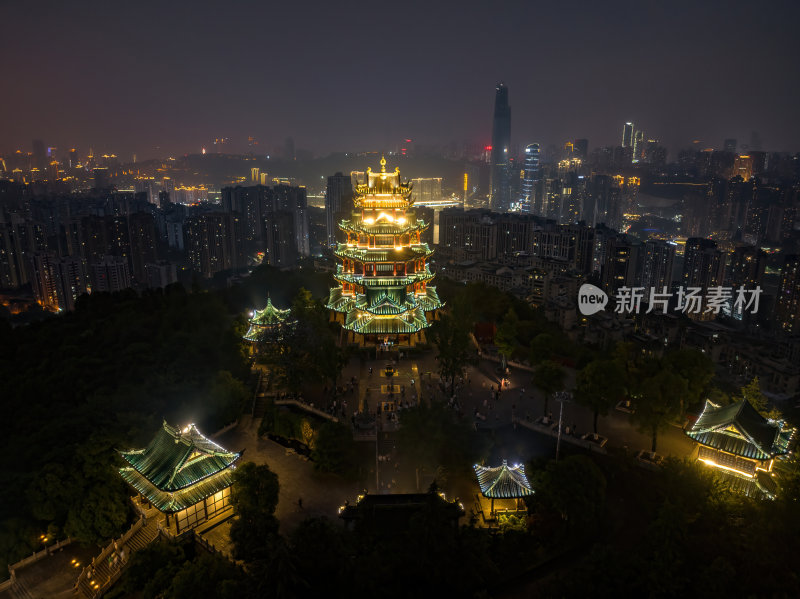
[182,474]
[384,297]
[268,325]
[740,444]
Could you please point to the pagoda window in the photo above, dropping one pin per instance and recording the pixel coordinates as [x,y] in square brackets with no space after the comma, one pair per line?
[385,267]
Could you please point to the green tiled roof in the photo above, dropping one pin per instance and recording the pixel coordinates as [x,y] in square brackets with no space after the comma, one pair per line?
[430,301]
[740,430]
[762,486]
[383,281]
[383,228]
[176,459]
[175,501]
[412,321]
[384,254]
[265,320]
[339,301]
[503,482]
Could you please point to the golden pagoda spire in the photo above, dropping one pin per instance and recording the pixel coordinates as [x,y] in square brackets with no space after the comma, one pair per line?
[383,167]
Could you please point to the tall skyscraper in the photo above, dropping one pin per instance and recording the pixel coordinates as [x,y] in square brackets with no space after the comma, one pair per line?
[638,146]
[580,148]
[499,177]
[627,135]
[530,176]
[338,201]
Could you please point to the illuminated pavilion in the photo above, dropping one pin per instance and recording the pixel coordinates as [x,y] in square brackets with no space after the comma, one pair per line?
[384,296]
[182,474]
[268,325]
[741,445]
[503,482]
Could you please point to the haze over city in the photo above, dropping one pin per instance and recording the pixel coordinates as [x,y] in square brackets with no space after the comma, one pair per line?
[414,299]
[160,79]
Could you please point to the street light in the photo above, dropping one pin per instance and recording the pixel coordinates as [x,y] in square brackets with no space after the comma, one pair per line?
[561,397]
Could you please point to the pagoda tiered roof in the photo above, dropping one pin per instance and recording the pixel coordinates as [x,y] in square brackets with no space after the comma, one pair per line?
[503,482]
[385,189]
[265,320]
[178,468]
[400,254]
[411,321]
[382,281]
[384,228]
[390,301]
[740,430]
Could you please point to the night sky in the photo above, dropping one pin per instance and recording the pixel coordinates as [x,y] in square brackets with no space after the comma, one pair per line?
[168,77]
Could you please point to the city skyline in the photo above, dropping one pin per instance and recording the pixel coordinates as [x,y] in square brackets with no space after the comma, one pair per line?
[177,89]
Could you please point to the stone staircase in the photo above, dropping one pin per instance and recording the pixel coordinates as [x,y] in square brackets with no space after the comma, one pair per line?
[260,406]
[107,567]
[20,591]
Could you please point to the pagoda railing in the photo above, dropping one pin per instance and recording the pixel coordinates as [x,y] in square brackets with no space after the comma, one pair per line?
[306,407]
[113,546]
[14,584]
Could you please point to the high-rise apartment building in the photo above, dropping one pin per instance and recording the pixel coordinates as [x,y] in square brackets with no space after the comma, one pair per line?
[214,242]
[657,261]
[110,274]
[427,190]
[338,203]
[703,263]
[57,282]
[160,274]
[787,304]
[499,177]
[621,266]
[530,177]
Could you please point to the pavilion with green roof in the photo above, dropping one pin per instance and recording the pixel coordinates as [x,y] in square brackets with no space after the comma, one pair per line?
[182,474]
[268,325]
[503,482]
[741,445]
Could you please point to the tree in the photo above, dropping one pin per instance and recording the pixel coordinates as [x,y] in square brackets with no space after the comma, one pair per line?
[454,347]
[431,436]
[694,366]
[753,394]
[506,337]
[254,496]
[548,378]
[541,348]
[334,450]
[600,386]
[575,488]
[660,403]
